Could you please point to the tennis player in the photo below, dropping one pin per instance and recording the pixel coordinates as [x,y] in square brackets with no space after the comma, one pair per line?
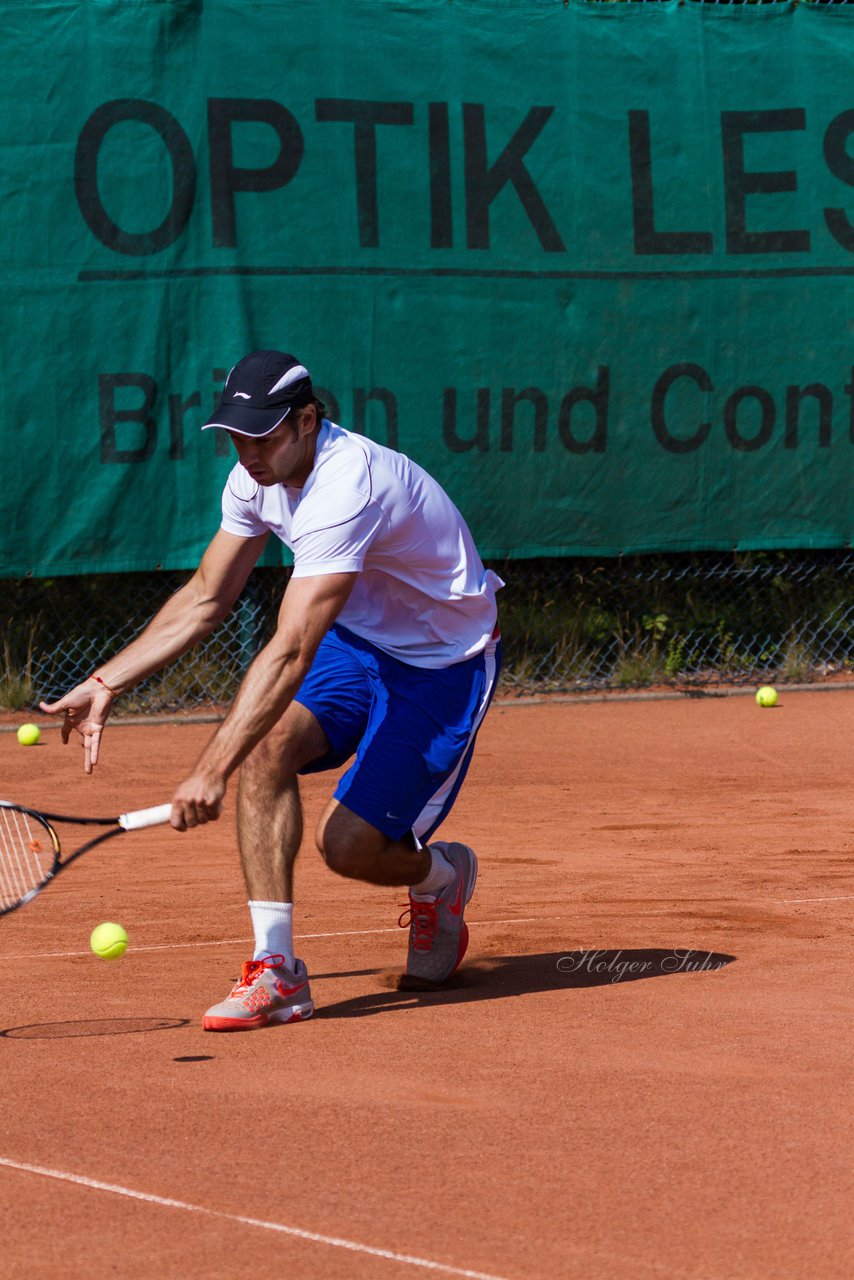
[386,652]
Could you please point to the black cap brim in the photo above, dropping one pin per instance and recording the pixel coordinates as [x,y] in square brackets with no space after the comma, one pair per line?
[246,421]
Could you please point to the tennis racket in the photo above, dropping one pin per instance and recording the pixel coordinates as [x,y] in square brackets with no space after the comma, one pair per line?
[30,850]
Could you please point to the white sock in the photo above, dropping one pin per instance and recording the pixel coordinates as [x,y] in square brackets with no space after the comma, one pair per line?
[441,873]
[274,933]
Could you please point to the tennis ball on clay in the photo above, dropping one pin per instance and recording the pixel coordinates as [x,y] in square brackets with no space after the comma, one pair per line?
[109,941]
[766,696]
[29,734]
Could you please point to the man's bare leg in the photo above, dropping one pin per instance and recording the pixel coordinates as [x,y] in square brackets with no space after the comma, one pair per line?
[269,832]
[441,880]
[269,811]
[355,849]
[274,987]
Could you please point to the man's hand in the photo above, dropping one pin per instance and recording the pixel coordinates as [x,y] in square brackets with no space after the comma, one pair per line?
[85,709]
[197,800]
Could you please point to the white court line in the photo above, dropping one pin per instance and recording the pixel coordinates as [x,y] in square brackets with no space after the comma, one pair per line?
[845,897]
[313,1237]
[355,933]
[229,942]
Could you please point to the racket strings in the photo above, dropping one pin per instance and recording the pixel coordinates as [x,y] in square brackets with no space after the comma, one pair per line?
[26,855]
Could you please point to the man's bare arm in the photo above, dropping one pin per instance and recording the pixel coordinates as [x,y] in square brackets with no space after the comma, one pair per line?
[191,613]
[309,608]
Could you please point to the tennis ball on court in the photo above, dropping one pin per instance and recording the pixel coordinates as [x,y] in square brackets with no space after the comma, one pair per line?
[29,734]
[766,696]
[109,941]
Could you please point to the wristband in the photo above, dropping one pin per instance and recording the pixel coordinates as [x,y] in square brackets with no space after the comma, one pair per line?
[112,692]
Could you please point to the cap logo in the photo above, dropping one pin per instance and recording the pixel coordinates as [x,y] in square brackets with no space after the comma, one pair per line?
[242,394]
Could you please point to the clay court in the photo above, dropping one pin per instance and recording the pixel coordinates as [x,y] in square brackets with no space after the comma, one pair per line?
[642,1069]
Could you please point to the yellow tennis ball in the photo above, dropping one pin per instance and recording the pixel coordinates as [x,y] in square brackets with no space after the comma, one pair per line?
[766,696]
[29,734]
[109,941]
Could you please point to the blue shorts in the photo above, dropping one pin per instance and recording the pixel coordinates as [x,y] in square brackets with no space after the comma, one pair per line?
[412,729]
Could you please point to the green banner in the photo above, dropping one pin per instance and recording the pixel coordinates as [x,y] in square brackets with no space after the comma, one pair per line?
[589,263]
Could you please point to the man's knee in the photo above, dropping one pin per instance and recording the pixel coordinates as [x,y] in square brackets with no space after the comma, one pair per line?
[291,744]
[342,852]
[272,757]
[349,846]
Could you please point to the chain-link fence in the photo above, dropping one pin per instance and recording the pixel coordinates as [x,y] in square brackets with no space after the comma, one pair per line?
[679,620]
[568,625]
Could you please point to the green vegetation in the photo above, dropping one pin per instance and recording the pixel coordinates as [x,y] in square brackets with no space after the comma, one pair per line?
[678,620]
[19,631]
[16,681]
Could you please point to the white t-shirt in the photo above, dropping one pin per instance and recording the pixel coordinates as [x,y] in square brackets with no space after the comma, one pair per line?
[422,593]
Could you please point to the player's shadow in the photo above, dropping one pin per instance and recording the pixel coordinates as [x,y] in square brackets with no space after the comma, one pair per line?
[508,977]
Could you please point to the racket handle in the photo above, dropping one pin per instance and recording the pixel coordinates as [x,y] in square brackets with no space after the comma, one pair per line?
[154,817]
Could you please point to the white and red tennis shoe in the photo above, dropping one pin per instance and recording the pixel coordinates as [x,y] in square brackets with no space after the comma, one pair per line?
[267,992]
[438,934]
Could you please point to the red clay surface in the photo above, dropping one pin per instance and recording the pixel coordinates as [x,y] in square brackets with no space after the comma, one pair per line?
[643,1069]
